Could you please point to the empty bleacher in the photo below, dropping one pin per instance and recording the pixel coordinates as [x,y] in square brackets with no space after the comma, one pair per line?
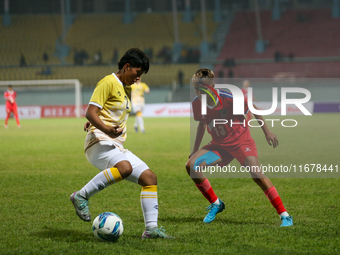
[107,31]
[310,35]
[158,75]
[292,69]
[30,35]
[34,34]
[317,36]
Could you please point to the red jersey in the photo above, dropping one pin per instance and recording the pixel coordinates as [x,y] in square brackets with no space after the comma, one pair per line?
[10,97]
[245,92]
[221,133]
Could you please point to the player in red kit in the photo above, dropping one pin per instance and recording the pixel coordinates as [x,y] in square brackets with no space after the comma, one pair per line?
[11,106]
[228,142]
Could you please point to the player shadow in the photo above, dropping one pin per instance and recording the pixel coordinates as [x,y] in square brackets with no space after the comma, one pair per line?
[181,219]
[226,221]
[217,220]
[66,235]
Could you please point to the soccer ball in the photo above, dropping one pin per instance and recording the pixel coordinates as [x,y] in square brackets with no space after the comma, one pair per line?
[107,226]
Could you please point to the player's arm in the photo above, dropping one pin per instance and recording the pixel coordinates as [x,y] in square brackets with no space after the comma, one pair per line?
[93,117]
[270,136]
[199,136]
[146,89]
[7,98]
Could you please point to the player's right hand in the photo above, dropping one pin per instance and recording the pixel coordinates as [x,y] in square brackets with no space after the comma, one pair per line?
[115,131]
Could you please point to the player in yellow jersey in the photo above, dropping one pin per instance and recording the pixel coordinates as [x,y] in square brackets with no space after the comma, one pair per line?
[138,102]
[107,113]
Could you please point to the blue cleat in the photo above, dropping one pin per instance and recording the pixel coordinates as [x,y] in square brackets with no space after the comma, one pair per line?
[136,129]
[287,221]
[213,210]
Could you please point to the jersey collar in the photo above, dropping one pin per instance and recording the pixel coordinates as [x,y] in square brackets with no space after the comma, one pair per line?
[117,79]
[217,101]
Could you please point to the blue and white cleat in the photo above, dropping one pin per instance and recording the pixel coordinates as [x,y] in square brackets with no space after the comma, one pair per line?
[213,210]
[81,205]
[136,129]
[287,221]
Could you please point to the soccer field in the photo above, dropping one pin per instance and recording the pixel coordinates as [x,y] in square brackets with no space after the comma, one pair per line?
[42,163]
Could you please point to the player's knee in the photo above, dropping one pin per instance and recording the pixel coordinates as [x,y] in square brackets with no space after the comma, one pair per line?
[152,178]
[147,178]
[126,172]
[125,168]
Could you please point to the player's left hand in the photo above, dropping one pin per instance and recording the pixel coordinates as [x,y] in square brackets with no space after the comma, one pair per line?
[272,139]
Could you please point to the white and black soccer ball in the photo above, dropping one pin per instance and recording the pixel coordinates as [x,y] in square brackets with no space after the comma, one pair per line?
[107,226]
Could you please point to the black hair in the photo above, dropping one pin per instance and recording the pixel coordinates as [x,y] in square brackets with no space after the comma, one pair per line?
[204,75]
[136,58]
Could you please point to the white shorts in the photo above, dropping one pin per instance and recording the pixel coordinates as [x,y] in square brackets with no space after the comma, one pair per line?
[105,156]
[137,108]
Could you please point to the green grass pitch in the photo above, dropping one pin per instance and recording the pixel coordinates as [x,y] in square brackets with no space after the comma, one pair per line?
[42,163]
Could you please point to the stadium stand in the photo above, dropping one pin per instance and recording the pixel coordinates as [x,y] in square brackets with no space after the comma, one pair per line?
[30,35]
[295,69]
[309,35]
[158,75]
[155,30]
[34,34]
[316,36]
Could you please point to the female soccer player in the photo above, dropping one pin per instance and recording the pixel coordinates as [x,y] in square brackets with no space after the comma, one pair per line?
[11,106]
[107,113]
[228,142]
[138,102]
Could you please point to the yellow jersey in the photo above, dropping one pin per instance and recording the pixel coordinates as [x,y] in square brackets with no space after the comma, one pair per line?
[113,99]
[137,93]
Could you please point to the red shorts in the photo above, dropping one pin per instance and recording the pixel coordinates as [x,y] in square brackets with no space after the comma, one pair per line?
[11,108]
[241,148]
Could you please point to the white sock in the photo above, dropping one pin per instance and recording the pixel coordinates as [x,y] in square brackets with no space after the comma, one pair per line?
[140,122]
[136,122]
[102,180]
[217,202]
[149,203]
[284,214]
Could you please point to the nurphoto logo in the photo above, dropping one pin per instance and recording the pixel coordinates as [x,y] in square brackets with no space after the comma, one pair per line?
[238,103]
